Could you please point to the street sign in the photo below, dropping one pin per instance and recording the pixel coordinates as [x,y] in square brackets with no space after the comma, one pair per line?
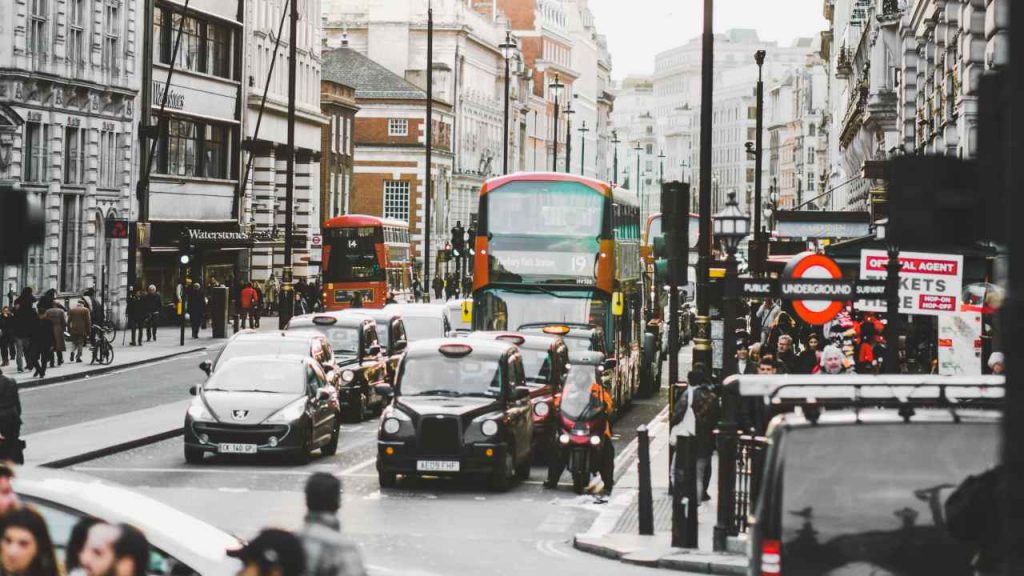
[930,284]
[826,289]
[757,287]
[810,266]
[117,228]
[316,240]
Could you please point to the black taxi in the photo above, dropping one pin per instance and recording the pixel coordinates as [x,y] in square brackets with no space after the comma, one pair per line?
[357,353]
[390,334]
[545,361]
[459,407]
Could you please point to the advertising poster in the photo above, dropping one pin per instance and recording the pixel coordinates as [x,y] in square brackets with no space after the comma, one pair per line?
[960,344]
[930,284]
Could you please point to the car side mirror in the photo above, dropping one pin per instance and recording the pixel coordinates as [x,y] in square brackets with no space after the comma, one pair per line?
[385,390]
[193,390]
[610,364]
[323,394]
[520,393]
[401,345]
[373,350]
[328,368]
[206,366]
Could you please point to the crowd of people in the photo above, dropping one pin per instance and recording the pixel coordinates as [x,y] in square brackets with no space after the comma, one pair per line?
[96,547]
[34,332]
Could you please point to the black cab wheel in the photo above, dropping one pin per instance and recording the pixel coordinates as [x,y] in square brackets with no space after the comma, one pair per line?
[387,479]
[331,448]
[501,478]
[193,455]
[523,469]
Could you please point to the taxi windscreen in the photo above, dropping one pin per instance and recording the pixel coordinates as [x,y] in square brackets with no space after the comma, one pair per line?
[869,499]
[443,376]
[423,327]
[536,365]
[343,340]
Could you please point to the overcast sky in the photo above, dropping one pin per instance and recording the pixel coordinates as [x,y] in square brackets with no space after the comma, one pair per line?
[639,29]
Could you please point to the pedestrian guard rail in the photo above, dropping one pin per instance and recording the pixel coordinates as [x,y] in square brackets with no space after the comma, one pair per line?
[750,455]
[868,390]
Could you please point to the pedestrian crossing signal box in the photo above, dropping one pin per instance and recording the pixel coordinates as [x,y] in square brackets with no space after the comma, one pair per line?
[467,312]
[618,304]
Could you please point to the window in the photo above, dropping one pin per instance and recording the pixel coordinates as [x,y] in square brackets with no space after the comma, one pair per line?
[218,50]
[111,35]
[37,151]
[74,147]
[194,149]
[37,24]
[77,19]
[396,200]
[215,151]
[179,157]
[398,127]
[108,159]
[70,241]
[811,130]
[161,36]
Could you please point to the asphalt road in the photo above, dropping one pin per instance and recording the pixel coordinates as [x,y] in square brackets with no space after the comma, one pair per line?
[422,528]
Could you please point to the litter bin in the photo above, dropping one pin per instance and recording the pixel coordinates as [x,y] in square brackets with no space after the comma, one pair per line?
[218,306]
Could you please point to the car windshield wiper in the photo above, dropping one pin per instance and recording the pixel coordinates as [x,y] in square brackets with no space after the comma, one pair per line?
[265,391]
[451,393]
[480,394]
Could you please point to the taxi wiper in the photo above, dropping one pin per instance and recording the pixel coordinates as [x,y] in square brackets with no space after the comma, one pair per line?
[451,393]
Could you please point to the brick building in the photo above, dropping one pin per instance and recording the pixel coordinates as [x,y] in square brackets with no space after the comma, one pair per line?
[390,157]
[338,104]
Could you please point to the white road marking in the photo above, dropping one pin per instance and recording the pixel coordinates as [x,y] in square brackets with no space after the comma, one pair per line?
[248,471]
[550,548]
[377,570]
[233,490]
[353,469]
[114,373]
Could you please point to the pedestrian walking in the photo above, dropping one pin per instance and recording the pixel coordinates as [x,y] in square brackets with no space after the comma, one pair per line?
[11,447]
[25,321]
[417,289]
[785,354]
[80,326]
[248,300]
[258,309]
[151,304]
[76,545]
[95,306]
[697,415]
[438,285]
[40,348]
[833,361]
[26,547]
[59,318]
[767,314]
[196,307]
[7,351]
[272,552]
[136,315]
[328,553]
[810,356]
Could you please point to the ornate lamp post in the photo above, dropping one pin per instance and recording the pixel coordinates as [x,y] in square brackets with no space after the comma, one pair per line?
[508,49]
[731,226]
[639,184]
[583,148]
[661,167]
[556,88]
[568,136]
[615,156]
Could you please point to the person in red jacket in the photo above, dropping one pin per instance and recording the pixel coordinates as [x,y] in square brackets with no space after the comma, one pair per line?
[249,299]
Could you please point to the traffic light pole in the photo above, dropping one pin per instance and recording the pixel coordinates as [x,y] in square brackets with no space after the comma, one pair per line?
[286,303]
[702,338]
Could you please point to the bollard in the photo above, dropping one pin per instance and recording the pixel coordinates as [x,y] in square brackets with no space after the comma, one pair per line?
[645,509]
[685,500]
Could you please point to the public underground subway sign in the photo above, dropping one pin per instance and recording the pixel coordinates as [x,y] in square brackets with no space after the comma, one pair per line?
[930,284]
[810,275]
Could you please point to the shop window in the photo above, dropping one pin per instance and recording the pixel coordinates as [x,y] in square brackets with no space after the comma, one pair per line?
[396,200]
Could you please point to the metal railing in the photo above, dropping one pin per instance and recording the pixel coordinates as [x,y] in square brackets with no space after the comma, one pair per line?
[750,453]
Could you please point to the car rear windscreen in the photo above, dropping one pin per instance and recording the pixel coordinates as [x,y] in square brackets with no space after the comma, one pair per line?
[869,500]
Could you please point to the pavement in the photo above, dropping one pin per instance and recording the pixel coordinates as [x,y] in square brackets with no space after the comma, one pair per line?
[615,533]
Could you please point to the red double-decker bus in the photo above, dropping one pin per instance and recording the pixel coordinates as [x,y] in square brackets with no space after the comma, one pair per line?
[365,255]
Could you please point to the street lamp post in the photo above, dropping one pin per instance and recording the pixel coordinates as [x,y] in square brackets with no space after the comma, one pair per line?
[760,259]
[568,137]
[639,186]
[661,167]
[583,148]
[731,226]
[507,49]
[702,337]
[615,156]
[286,300]
[556,90]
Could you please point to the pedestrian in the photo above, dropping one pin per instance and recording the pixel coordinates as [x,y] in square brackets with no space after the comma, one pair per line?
[974,515]
[783,325]
[744,365]
[833,362]
[697,415]
[9,499]
[95,305]
[272,552]
[785,354]
[357,299]
[79,327]
[196,307]
[11,447]
[25,320]
[59,318]
[417,289]
[754,413]
[438,285]
[810,356]
[313,297]
[258,308]
[76,545]
[997,363]
[41,346]
[248,300]
[7,351]
[328,553]
[390,299]
[151,304]
[109,550]
[767,313]
[136,315]
[26,547]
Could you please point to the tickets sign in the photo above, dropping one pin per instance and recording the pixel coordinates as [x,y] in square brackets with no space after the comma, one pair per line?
[930,284]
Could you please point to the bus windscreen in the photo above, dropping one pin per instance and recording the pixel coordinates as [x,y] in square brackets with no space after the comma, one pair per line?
[352,255]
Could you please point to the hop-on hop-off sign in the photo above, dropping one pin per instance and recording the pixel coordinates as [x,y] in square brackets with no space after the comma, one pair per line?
[930,284]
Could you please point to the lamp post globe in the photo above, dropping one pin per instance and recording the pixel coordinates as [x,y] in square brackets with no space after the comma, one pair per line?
[731,225]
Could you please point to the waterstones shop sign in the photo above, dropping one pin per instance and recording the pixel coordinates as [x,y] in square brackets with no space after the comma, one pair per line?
[199,237]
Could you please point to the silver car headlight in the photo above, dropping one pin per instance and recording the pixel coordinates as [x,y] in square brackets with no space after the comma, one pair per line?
[348,376]
[289,413]
[198,411]
[489,428]
[392,426]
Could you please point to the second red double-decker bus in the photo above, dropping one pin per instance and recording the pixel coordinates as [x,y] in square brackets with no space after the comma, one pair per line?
[364,255]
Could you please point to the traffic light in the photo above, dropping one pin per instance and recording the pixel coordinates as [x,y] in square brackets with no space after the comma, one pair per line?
[472,239]
[458,239]
[675,224]
[21,223]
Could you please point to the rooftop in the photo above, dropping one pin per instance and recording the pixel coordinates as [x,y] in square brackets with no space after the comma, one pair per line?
[370,79]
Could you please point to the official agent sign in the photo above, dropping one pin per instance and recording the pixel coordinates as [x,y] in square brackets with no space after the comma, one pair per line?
[930,284]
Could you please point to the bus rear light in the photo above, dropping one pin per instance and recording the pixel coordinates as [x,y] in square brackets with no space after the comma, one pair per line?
[771,558]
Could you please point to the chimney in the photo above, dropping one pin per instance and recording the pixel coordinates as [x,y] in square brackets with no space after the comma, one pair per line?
[488,8]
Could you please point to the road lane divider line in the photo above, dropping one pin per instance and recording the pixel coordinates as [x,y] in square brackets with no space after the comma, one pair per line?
[356,468]
[111,370]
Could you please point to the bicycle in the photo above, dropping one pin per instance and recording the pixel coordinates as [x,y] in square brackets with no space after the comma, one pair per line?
[102,350]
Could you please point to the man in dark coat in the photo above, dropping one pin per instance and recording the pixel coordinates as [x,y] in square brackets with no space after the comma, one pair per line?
[136,316]
[25,321]
[196,307]
[151,304]
[40,351]
[10,421]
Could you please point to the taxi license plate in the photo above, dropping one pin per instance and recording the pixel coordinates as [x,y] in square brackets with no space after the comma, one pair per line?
[437,466]
[236,448]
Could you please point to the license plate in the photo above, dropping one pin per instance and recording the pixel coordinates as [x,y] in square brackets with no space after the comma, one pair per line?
[236,448]
[437,466]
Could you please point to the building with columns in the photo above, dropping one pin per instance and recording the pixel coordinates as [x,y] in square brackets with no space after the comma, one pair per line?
[68,89]
[266,136]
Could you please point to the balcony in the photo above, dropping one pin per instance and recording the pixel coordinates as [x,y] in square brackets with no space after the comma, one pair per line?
[854,118]
[844,64]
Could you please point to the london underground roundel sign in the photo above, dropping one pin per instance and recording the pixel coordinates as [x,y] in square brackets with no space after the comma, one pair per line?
[811,266]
